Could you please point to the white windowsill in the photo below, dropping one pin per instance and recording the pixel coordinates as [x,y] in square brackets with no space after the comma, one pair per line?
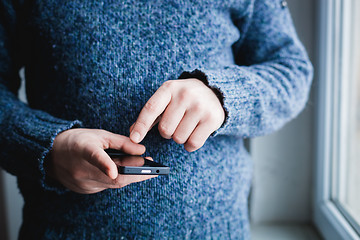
[283,231]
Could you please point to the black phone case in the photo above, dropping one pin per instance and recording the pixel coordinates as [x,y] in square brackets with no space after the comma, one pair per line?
[151,168]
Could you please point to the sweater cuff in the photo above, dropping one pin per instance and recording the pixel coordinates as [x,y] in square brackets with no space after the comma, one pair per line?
[47,182]
[39,141]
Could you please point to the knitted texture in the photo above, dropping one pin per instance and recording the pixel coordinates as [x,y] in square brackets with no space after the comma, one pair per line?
[94,64]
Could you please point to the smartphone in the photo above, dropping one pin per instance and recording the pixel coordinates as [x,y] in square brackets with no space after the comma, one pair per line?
[136,165]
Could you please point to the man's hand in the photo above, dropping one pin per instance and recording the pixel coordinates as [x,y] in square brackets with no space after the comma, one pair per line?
[79,162]
[187,110]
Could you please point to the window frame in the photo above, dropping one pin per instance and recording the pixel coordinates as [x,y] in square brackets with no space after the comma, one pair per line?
[330,217]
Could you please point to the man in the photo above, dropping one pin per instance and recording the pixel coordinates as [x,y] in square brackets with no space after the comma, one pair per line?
[209,73]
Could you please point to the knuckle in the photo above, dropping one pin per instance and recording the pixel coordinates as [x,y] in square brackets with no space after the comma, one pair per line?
[95,155]
[183,96]
[164,130]
[198,107]
[141,126]
[151,106]
[102,132]
[187,94]
[194,144]
[179,139]
[213,120]
[106,168]
[168,84]
[209,118]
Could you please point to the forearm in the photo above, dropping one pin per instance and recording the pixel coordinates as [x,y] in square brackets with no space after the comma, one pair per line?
[26,136]
[269,82]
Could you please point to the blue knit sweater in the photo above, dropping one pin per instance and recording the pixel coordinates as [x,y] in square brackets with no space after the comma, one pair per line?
[94,64]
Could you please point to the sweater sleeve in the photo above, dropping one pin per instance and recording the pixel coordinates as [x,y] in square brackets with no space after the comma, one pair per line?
[26,135]
[270,81]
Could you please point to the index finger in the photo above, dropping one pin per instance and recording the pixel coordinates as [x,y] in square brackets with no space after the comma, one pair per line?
[154,107]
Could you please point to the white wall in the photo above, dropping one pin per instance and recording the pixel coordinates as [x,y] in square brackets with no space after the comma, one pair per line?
[11,196]
[282,186]
[3,221]
[13,203]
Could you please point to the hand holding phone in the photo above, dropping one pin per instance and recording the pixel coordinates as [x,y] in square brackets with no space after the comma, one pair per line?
[78,161]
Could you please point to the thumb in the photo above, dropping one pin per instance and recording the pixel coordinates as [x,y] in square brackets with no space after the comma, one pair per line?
[100,159]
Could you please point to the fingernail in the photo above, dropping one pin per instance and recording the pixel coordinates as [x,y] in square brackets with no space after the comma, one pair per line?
[135,137]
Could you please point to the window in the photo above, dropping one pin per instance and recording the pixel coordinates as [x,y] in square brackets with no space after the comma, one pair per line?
[337,195]
[348,192]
